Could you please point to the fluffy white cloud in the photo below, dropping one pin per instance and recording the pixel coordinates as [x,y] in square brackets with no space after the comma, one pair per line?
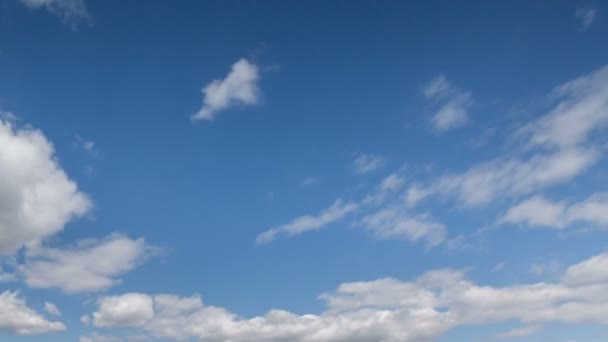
[239,87]
[453,104]
[381,310]
[128,310]
[91,265]
[36,196]
[538,211]
[52,309]
[71,11]
[338,210]
[17,318]
[586,16]
[366,163]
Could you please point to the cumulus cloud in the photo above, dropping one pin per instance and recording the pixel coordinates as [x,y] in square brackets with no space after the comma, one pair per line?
[36,196]
[538,211]
[452,104]
[91,265]
[70,11]
[338,210]
[17,318]
[366,163]
[586,16]
[239,87]
[128,310]
[381,310]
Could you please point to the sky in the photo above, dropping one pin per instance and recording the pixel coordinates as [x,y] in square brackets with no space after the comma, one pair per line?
[303,171]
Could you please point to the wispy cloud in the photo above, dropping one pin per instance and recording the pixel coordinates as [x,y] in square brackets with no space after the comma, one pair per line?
[395,223]
[239,87]
[586,16]
[52,309]
[366,163]
[338,210]
[86,145]
[556,148]
[309,181]
[72,12]
[452,104]
[538,211]
[521,332]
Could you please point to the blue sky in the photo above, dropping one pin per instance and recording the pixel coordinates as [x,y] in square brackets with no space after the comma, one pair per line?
[303,171]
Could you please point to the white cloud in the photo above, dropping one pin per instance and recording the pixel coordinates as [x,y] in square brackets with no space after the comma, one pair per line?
[381,310]
[592,271]
[558,147]
[128,310]
[366,163]
[586,16]
[52,309]
[521,332]
[483,183]
[309,181]
[70,11]
[453,104]
[88,146]
[17,318]
[390,185]
[498,267]
[582,110]
[338,210]
[396,223]
[6,276]
[389,222]
[36,196]
[96,337]
[91,265]
[538,211]
[240,87]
